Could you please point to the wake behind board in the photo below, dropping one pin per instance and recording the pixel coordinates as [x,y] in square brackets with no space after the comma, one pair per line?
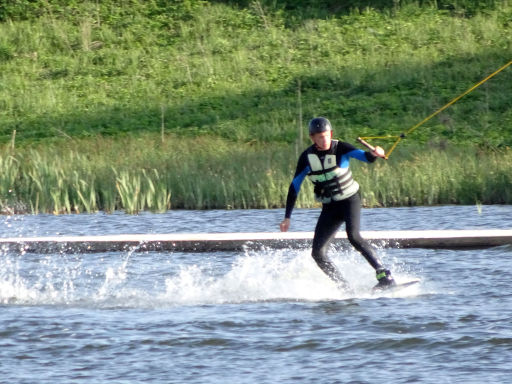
[396,287]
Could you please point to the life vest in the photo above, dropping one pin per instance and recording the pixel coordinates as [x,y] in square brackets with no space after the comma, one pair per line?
[332,183]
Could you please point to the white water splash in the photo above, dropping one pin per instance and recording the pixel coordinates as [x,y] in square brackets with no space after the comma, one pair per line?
[278,275]
[258,277]
[122,281]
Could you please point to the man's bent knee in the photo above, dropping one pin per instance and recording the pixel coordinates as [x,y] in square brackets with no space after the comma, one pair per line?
[355,239]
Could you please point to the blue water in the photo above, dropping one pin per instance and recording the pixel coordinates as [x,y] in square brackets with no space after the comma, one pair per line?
[267,316]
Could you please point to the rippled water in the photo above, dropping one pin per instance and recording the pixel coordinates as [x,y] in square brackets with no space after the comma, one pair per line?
[263,316]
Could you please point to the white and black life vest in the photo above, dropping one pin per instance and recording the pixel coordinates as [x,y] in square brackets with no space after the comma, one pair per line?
[332,183]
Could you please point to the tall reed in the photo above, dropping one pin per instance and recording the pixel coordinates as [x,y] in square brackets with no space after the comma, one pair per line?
[142,173]
[431,177]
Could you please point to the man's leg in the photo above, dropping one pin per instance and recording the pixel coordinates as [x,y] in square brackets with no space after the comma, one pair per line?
[353,218]
[326,228]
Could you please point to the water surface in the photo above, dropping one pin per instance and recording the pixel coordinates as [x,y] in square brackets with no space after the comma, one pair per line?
[263,316]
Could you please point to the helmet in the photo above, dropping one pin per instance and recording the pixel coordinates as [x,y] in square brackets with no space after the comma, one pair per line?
[319,124]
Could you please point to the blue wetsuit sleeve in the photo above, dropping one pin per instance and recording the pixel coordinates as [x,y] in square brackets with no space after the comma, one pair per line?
[361,155]
[293,191]
[350,151]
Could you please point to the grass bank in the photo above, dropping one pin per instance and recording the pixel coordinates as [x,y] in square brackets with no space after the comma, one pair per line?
[154,105]
[206,173]
[253,70]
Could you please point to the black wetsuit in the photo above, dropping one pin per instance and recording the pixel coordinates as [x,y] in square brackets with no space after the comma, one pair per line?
[334,213]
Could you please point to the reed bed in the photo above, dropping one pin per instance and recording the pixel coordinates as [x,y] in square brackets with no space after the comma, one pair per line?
[438,177]
[144,173]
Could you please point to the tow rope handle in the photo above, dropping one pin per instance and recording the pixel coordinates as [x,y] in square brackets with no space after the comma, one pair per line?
[368,145]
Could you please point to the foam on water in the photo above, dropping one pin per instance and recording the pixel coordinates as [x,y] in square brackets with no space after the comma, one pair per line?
[126,280]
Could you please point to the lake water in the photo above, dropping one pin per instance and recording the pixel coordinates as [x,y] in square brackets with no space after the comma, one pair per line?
[267,316]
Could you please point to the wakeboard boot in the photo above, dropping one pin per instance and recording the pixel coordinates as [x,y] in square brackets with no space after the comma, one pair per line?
[385,280]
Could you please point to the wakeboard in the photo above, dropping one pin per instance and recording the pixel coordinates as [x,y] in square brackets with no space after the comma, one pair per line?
[396,287]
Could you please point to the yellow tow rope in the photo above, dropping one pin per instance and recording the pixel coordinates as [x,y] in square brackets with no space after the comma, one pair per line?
[410,130]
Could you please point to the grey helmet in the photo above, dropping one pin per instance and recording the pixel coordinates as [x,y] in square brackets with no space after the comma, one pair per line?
[319,124]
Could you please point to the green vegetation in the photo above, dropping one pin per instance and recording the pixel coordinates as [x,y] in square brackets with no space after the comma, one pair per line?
[202,173]
[136,174]
[462,176]
[199,104]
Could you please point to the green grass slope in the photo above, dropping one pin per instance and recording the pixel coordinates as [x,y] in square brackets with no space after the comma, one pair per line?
[150,105]
[252,70]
